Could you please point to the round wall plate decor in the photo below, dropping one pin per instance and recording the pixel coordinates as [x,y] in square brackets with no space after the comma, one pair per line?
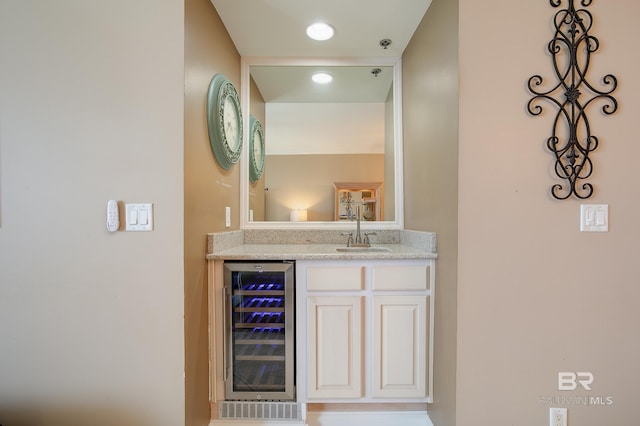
[256,149]
[224,120]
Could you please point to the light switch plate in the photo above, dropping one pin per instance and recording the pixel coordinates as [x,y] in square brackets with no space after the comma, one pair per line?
[594,218]
[138,217]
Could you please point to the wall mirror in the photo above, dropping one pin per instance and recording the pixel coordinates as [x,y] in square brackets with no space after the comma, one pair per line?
[347,131]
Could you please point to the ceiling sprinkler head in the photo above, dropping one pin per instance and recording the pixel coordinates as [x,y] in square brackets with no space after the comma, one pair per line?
[376,71]
[384,43]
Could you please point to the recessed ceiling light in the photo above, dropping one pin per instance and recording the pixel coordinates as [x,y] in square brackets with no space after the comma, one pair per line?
[322,78]
[320,31]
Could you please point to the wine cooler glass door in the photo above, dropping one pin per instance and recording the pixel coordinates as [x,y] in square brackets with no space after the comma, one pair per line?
[260,332]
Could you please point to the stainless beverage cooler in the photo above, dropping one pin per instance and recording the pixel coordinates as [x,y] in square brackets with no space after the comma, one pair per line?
[259,341]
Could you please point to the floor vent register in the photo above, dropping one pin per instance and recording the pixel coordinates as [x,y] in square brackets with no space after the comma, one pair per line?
[259,410]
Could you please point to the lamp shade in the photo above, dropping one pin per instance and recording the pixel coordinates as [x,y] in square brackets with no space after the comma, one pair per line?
[298,215]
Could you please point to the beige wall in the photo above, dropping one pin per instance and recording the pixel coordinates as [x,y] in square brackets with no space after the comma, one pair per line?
[91,323]
[306,181]
[536,296]
[207,188]
[92,110]
[430,122]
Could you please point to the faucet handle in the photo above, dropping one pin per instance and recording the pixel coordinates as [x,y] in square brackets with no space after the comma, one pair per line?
[350,239]
[366,237]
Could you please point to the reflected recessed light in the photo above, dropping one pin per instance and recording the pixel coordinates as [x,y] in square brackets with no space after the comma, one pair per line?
[320,31]
[322,78]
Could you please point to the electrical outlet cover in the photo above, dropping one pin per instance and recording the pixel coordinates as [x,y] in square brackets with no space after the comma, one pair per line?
[558,416]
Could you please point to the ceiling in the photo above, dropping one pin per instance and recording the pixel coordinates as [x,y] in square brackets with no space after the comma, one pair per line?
[350,84]
[276,29]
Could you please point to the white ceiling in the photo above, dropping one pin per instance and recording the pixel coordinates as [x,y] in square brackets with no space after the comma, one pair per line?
[350,84]
[276,28]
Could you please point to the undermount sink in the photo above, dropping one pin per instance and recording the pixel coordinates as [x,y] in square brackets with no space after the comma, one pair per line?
[363,249]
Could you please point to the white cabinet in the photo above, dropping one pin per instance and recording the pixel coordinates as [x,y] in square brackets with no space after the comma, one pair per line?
[399,346]
[365,330]
[334,330]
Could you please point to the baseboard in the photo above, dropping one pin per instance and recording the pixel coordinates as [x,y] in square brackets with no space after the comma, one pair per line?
[255,423]
[340,418]
[377,418]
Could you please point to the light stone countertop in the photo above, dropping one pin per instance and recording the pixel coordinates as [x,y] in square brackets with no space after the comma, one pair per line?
[316,245]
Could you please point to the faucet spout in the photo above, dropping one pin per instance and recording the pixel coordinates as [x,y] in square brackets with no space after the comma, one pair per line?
[358,236]
[358,241]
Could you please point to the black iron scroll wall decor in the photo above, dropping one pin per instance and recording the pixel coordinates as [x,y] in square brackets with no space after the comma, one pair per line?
[572,139]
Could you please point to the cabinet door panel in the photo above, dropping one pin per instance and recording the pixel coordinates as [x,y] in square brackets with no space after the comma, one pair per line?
[400,346]
[334,348]
[401,277]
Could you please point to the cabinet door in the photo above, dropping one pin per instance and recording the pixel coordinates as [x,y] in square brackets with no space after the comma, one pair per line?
[400,346]
[334,346]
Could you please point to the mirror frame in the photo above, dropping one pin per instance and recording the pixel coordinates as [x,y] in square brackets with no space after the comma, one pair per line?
[245,64]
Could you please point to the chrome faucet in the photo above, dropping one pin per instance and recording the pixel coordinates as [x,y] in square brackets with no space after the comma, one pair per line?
[358,240]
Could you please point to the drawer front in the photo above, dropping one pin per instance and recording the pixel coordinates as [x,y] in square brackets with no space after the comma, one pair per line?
[335,278]
[401,277]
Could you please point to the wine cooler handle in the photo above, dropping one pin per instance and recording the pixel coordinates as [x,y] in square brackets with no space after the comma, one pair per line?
[225,334]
